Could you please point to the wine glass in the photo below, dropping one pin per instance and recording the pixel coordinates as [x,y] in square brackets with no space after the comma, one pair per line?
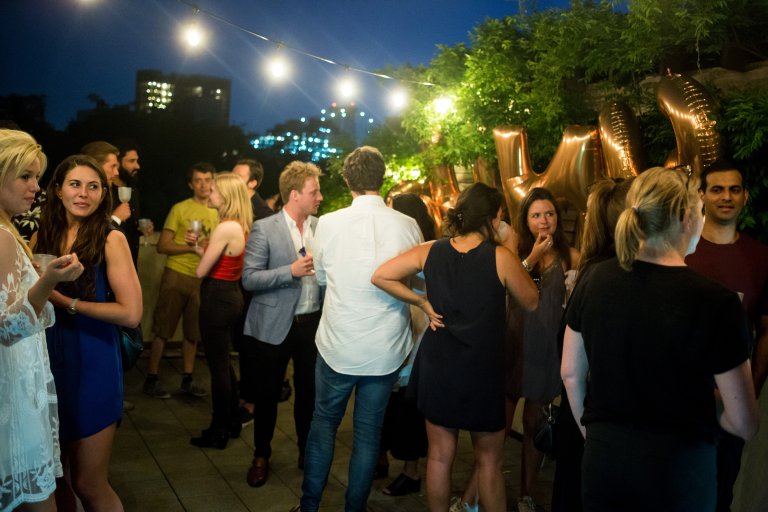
[144,228]
[124,193]
[196,226]
[309,242]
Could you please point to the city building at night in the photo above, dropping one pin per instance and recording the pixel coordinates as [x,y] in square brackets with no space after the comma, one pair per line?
[318,137]
[202,98]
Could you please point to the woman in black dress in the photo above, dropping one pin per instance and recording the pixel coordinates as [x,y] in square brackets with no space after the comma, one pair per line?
[458,376]
[645,337]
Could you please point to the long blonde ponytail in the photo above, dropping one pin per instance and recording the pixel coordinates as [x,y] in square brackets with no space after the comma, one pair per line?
[656,205]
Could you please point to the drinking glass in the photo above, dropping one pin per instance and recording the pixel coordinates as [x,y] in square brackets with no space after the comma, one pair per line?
[196,226]
[144,227]
[124,193]
[43,260]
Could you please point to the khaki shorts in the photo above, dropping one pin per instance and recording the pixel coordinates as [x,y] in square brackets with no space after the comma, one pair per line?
[179,295]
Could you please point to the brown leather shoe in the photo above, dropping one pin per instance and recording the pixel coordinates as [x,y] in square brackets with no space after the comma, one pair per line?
[258,473]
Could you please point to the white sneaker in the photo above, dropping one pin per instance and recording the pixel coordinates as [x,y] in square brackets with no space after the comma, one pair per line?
[526,504]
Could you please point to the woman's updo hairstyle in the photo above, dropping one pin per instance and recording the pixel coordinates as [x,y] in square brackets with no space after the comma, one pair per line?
[655,208]
[475,210]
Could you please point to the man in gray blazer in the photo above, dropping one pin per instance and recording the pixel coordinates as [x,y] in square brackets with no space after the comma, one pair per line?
[283,313]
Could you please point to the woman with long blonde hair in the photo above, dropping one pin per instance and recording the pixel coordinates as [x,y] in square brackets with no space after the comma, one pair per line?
[221,303]
[29,433]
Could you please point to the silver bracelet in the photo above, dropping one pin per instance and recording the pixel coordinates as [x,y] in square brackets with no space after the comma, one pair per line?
[527,266]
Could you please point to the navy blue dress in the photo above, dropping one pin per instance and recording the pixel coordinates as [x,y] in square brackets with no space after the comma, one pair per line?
[87,368]
[458,375]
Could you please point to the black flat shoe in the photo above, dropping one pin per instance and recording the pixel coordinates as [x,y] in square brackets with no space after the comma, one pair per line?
[211,439]
[402,485]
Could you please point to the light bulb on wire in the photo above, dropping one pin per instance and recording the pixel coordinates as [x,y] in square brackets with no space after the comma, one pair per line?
[443,105]
[398,99]
[347,88]
[277,68]
[193,36]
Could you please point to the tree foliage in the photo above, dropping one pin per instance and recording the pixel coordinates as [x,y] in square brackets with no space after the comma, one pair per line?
[554,68]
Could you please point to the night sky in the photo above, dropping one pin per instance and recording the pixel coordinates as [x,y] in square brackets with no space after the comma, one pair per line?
[67,49]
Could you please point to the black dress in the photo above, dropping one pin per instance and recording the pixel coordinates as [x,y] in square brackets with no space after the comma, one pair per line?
[458,376]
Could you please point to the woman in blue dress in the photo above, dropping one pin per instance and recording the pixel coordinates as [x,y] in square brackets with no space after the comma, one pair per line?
[83,345]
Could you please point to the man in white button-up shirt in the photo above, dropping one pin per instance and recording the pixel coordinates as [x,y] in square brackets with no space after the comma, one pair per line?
[364,334]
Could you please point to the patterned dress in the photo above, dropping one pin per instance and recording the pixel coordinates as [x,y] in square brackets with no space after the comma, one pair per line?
[29,425]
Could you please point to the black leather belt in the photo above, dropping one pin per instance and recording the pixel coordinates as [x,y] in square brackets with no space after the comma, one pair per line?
[308,317]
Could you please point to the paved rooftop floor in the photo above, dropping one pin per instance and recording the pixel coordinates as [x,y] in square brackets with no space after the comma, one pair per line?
[154,468]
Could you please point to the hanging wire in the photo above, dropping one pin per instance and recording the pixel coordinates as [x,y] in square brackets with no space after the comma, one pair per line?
[198,10]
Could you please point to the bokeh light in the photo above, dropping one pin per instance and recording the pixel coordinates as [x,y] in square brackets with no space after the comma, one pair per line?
[278,68]
[398,99]
[193,35]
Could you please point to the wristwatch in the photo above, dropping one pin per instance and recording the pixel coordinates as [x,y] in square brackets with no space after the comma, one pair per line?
[72,309]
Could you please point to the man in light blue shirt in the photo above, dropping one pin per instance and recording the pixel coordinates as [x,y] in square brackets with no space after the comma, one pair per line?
[364,334]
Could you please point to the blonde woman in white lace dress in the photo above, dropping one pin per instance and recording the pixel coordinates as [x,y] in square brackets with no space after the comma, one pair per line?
[29,445]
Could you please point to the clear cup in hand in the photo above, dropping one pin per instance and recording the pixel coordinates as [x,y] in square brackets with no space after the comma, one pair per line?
[42,261]
[196,226]
[124,194]
[144,225]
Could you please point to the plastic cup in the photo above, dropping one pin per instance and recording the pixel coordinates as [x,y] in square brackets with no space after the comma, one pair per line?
[43,260]
[124,194]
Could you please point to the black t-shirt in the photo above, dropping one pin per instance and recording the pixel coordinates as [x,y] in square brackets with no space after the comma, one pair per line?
[654,338]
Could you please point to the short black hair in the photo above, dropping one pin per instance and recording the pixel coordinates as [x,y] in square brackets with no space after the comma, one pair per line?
[255,170]
[719,165]
[125,145]
[204,167]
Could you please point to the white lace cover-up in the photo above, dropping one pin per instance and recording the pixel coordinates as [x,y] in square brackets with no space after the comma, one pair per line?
[29,424]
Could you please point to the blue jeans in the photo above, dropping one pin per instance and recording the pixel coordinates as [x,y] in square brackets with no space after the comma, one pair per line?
[332,391]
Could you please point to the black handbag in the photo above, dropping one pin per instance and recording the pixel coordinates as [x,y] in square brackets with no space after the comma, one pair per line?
[544,438]
[131,345]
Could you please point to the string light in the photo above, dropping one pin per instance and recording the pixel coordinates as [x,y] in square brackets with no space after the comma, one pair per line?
[347,88]
[198,10]
[398,99]
[277,68]
[193,35]
[443,105]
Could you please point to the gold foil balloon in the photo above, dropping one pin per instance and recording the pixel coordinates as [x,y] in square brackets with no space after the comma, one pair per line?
[405,187]
[443,186]
[419,189]
[671,160]
[484,173]
[514,164]
[620,141]
[691,111]
[577,163]
[436,212]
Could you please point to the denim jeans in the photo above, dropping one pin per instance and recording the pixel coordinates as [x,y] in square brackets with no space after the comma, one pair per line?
[332,394]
